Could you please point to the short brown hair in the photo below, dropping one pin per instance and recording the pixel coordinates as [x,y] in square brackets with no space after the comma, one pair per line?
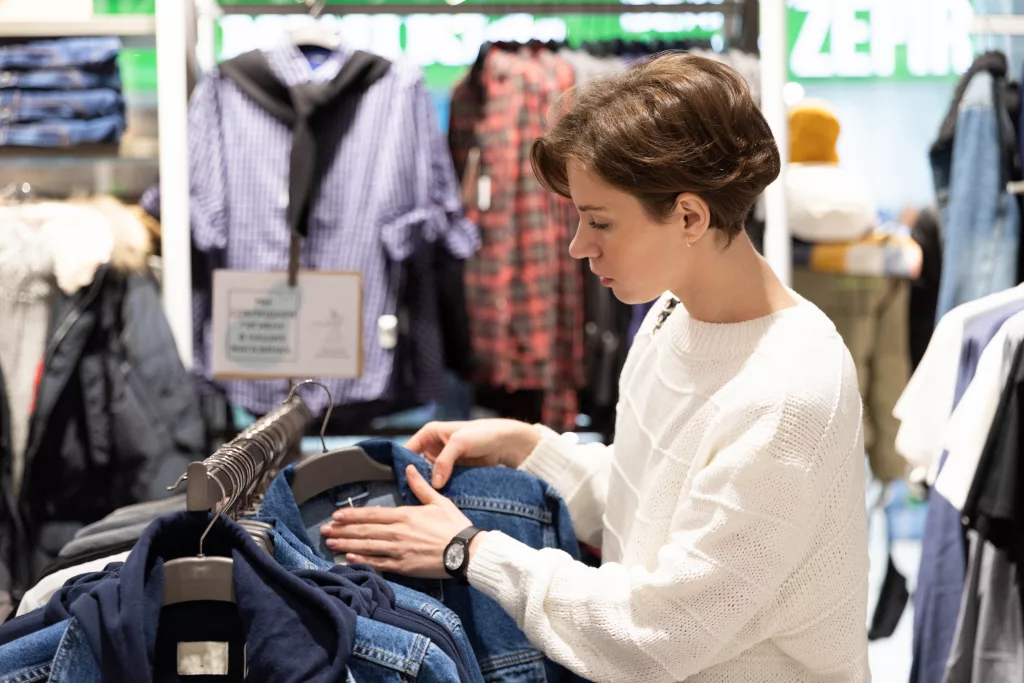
[675,123]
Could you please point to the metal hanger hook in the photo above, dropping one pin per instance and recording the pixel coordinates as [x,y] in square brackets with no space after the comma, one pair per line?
[223,495]
[330,407]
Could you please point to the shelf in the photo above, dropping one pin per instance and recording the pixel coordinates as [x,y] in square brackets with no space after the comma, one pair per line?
[998,25]
[124,25]
[538,7]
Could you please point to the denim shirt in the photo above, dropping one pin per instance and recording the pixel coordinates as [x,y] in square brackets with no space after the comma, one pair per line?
[498,499]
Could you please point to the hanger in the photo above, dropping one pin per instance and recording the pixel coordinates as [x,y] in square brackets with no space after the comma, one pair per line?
[200,578]
[315,34]
[334,468]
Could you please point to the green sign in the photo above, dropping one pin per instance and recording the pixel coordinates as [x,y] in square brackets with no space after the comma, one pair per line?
[879,39]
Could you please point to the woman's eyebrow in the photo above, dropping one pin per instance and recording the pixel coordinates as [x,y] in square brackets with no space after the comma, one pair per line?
[590,207]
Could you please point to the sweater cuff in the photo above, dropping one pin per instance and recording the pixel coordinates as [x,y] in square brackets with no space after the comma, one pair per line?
[493,569]
[550,461]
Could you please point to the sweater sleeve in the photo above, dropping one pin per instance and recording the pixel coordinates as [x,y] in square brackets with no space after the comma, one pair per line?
[733,540]
[580,473]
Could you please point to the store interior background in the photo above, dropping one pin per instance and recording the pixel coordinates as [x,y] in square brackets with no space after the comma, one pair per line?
[887,67]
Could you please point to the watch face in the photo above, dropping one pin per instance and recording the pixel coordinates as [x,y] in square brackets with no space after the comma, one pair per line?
[454,556]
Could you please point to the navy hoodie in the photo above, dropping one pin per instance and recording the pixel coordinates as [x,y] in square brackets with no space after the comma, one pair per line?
[281,630]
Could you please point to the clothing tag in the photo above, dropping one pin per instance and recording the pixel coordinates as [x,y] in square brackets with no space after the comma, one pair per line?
[264,329]
[203,659]
[387,331]
[483,193]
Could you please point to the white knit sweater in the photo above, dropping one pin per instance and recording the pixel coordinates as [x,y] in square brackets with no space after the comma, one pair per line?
[730,512]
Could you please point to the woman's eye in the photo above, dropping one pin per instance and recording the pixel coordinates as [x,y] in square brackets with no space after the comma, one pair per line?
[598,226]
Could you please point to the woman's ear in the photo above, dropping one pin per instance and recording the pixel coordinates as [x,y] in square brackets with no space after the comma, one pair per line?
[695,216]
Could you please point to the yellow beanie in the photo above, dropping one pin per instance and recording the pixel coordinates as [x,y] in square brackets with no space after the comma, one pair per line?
[813,131]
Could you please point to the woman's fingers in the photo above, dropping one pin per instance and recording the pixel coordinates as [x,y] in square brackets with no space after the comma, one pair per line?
[455,449]
[365,547]
[431,439]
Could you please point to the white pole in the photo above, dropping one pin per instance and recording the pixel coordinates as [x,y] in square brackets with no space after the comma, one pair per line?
[172,113]
[777,247]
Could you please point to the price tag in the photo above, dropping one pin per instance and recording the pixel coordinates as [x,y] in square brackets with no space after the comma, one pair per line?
[264,329]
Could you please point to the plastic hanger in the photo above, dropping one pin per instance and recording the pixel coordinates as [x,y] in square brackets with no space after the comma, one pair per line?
[334,468]
[315,34]
[200,578]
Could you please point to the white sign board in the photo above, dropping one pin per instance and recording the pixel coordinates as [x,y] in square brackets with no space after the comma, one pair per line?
[264,329]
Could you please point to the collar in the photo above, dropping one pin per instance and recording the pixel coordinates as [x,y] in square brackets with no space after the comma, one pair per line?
[292,68]
[279,503]
[282,617]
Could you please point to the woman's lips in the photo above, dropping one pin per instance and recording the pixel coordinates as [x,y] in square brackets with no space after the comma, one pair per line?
[607,281]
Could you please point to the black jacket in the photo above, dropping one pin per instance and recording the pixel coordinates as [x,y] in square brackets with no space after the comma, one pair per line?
[116,421]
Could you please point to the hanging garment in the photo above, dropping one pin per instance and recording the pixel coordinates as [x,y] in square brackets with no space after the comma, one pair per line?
[989,641]
[971,162]
[524,294]
[870,314]
[538,518]
[115,417]
[971,422]
[940,583]
[376,202]
[927,402]
[26,287]
[924,291]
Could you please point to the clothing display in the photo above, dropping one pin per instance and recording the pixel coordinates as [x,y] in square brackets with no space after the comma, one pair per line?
[526,509]
[60,93]
[382,195]
[686,512]
[524,292]
[101,412]
[967,619]
[870,314]
[345,622]
[971,164]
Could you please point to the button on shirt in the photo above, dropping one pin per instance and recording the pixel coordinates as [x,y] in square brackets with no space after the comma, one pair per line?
[382,196]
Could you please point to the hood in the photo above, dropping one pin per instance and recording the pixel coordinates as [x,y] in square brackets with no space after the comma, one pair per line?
[83,234]
[825,203]
[278,617]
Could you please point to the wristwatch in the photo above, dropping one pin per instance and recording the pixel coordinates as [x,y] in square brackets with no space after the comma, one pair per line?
[456,554]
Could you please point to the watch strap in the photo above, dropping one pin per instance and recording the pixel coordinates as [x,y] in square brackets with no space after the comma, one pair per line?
[468,533]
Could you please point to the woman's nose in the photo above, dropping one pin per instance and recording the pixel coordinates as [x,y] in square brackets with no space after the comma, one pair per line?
[581,247]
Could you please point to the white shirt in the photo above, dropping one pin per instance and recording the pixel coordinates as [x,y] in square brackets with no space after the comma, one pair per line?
[926,404]
[969,425]
[730,512]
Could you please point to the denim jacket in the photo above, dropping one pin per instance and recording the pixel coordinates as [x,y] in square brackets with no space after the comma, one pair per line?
[970,164]
[292,553]
[499,499]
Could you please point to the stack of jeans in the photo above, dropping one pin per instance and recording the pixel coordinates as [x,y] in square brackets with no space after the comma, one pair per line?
[61,93]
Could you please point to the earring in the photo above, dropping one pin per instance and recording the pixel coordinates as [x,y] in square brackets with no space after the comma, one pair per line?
[689,243]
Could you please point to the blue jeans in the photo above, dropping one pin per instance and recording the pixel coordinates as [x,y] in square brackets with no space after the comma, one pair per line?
[105,129]
[496,498]
[60,79]
[43,54]
[23,106]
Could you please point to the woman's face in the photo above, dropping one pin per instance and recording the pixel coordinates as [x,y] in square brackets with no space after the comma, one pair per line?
[637,257]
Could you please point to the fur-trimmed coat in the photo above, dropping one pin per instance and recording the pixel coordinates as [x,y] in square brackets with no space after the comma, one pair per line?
[114,417]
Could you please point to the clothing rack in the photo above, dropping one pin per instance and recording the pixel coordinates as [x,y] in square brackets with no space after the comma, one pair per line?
[185,40]
[236,470]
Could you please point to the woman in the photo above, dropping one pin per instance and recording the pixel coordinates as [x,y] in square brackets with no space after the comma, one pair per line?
[730,510]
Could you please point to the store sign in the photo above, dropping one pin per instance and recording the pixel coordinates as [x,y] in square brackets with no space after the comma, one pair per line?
[454,40]
[901,39]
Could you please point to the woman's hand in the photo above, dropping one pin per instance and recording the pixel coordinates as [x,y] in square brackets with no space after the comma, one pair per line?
[478,443]
[406,540]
